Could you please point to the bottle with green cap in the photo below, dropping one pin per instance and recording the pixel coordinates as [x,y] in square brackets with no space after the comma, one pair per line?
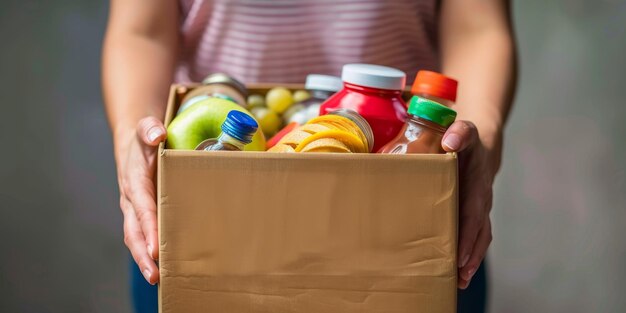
[423,130]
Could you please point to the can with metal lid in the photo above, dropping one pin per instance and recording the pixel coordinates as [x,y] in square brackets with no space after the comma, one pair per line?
[217,85]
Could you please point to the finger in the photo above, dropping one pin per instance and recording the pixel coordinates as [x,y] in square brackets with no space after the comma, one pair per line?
[459,136]
[134,240]
[151,131]
[471,221]
[478,253]
[463,284]
[141,194]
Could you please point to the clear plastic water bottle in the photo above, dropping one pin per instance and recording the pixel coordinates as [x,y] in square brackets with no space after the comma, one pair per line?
[237,131]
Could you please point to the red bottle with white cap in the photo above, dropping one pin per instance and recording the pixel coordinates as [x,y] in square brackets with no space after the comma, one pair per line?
[375,92]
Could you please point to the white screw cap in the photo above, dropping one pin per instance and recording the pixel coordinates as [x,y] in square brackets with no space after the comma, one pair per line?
[323,82]
[374,76]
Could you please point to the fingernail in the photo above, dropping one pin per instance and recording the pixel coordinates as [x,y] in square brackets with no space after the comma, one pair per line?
[146,274]
[153,134]
[469,281]
[452,141]
[470,274]
[464,260]
[150,252]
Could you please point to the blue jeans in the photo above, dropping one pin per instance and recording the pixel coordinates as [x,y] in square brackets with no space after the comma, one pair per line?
[471,300]
[474,298]
[143,295]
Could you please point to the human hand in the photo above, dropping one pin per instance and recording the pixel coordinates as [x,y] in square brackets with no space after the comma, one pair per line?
[477,169]
[136,164]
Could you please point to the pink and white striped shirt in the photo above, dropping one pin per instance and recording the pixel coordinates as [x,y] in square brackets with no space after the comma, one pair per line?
[284,40]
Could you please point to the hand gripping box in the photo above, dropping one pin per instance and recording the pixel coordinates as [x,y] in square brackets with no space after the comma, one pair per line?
[309,233]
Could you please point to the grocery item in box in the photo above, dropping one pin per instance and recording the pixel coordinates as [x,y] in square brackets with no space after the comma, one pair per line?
[269,121]
[424,129]
[342,131]
[216,86]
[286,130]
[375,92]
[435,86]
[202,121]
[320,87]
[237,131]
[279,99]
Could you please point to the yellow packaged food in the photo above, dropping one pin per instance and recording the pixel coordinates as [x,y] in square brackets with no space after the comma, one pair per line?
[353,142]
[326,145]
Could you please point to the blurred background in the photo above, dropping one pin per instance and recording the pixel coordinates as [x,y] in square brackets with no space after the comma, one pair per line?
[560,200]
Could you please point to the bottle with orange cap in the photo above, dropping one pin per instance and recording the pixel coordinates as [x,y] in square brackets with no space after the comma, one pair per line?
[436,87]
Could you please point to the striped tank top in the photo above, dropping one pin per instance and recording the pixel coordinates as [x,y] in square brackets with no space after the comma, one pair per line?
[282,41]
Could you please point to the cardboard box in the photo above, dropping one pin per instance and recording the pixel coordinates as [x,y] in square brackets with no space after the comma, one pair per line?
[308,233]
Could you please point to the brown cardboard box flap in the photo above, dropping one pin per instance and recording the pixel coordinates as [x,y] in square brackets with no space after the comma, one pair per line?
[263,232]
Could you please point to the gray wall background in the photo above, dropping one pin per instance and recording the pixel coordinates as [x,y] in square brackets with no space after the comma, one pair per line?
[560,204]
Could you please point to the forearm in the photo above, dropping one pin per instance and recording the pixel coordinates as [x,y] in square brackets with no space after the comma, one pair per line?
[137,73]
[139,56]
[480,53]
[487,80]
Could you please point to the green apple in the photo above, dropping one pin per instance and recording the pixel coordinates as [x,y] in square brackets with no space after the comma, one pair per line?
[204,120]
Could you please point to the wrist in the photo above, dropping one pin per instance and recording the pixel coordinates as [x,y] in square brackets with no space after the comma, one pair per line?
[489,127]
[122,137]
[491,139]
[490,135]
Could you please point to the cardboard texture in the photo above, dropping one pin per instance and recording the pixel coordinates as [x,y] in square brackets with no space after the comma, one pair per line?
[265,232]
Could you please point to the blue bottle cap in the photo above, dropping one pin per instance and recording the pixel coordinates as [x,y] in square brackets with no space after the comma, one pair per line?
[240,126]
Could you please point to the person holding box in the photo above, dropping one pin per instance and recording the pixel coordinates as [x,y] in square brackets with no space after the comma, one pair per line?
[151,44]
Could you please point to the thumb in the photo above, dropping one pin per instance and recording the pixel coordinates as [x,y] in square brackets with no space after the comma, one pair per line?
[459,136]
[151,131]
